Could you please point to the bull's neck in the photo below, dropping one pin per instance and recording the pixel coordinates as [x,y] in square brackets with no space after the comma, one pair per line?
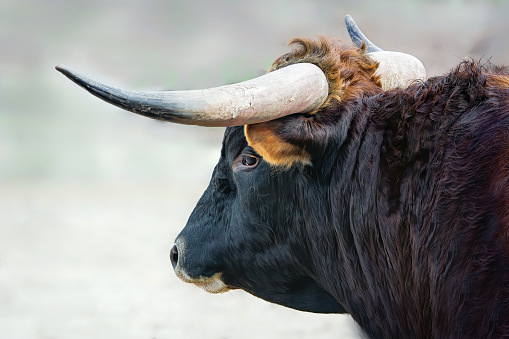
[370,233]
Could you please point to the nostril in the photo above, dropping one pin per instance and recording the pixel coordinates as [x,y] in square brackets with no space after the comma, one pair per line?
[174,256]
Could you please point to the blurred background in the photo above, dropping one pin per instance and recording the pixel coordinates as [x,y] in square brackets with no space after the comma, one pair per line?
[91,197]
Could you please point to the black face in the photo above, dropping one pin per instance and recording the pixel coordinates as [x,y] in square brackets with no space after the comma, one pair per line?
[250,230]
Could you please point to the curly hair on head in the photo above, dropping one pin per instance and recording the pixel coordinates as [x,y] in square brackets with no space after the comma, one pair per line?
[349,70]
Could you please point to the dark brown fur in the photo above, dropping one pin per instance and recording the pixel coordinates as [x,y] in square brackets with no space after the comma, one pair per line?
[445,164]
[438,260]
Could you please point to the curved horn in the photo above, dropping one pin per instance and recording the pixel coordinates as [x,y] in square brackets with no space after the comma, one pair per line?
[298,88]
[358,37]
[396,69]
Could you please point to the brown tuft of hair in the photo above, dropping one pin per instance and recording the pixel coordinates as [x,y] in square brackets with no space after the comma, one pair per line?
[349,70]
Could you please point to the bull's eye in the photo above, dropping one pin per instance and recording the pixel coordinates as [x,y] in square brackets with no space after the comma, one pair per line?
[249,161]
[245,162]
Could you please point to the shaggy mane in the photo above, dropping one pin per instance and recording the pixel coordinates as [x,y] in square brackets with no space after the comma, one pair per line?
[349,70]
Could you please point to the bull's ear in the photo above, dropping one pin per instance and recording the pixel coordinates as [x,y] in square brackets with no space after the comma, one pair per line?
[272,141]
[284,142]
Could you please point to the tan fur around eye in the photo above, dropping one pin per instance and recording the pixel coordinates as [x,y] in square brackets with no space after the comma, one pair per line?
[277,152]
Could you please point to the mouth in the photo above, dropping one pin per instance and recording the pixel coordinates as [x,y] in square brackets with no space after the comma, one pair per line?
[213,284]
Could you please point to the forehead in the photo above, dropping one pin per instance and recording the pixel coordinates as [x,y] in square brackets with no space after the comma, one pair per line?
[234,142]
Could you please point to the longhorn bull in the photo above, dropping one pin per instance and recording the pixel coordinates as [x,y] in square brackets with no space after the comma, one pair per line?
[348,183]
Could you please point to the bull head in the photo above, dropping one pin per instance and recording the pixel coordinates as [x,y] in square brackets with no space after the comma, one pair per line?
[285,114]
